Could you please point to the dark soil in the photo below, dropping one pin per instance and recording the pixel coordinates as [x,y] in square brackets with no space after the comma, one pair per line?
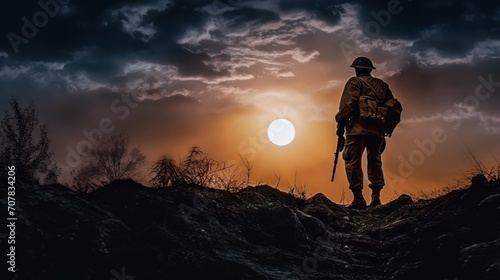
[125,231]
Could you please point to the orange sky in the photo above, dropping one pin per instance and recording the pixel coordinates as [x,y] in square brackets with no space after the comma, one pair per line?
[215,77]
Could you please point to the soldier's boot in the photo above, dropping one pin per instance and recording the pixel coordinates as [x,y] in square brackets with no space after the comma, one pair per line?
[359,201]
[375,198]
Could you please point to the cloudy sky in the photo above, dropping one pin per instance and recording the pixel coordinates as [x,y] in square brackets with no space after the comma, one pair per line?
[174,74]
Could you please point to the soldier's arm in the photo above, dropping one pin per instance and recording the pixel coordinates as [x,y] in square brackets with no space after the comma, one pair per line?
[388,91]
[348,101]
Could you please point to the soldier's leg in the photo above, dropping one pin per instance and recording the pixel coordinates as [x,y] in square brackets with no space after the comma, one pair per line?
[374,147]
[353,151]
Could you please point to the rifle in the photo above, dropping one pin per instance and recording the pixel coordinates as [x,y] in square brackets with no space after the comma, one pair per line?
[340,147]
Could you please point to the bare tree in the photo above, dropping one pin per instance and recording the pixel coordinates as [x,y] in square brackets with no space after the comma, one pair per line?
[110,159]
[25,149]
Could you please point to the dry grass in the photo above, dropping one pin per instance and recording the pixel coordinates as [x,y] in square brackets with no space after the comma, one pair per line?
[491,176]
[200,169]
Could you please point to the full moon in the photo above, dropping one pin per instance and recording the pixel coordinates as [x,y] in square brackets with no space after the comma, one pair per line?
[281,132]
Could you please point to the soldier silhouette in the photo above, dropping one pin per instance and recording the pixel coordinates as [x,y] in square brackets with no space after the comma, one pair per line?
[360,135]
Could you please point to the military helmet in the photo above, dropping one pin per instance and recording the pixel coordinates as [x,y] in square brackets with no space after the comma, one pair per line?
[362,62]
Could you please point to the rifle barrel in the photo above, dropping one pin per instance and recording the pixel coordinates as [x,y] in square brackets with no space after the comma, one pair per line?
[336,158]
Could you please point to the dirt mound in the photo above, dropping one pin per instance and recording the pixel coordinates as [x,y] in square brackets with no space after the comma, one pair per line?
[192,232]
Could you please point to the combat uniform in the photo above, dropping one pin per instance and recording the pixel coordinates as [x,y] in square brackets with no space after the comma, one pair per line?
[360,136]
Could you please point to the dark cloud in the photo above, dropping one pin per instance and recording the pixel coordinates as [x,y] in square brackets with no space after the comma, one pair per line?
[78,24]
[451,27]
[245,16]
[436,89]
[96,40]
[108,33]
[323,10]
[174,21]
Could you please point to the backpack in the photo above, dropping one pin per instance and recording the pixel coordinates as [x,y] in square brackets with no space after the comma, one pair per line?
[385,115]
